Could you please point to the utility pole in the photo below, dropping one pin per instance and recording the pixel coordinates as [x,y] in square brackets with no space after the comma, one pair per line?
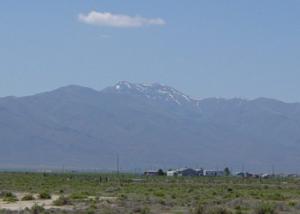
[273,171]
[118,164]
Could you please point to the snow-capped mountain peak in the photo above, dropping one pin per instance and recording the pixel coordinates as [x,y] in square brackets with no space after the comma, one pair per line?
[153,91]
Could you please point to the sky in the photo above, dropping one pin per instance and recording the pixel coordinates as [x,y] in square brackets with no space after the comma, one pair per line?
[225,48]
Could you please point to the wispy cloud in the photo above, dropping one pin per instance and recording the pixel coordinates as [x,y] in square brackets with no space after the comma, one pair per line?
[118,20]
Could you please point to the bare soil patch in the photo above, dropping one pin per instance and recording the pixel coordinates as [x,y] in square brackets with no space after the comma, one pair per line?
[21,205]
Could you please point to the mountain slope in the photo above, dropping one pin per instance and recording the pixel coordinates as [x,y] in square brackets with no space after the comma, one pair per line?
[148,126]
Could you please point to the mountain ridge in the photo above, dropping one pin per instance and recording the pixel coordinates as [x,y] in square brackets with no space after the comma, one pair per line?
[77,86]
[148,125]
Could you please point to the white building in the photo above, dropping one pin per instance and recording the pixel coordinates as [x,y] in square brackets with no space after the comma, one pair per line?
[172,173]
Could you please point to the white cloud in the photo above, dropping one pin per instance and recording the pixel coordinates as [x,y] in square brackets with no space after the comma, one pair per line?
[117,20]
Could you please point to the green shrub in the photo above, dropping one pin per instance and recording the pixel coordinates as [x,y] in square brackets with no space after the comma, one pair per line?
[265,209]
[9,197]
[159,194]
[218,210]
[173,196]
[123,197]
[44,195]
[28,197]
[37,209]
[6,194]
[145,210]
[276,197]
[62,201]
[91,211]
[78,196]
[142,210]
[292,203]
[199,209]
[93,206]
[238,207]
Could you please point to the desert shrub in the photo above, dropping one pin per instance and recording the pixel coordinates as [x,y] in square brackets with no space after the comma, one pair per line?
[159,194]
[44,195]
[292,203]
[93,205]
[37,209]
[91,211]
[238,207]
[145,210]
[28,197]
[265,208]
[9,197]
[162,202]
[78,196]
[199,209]
[276,197]
[142,210]
[190,190]
[173,196]
[6,194]
[62,201]
[282,207]
[123,197]
[219,210]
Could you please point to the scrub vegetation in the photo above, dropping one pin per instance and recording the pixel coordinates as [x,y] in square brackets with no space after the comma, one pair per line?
[128,193]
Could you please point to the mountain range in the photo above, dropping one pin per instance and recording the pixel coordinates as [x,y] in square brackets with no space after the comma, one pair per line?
[147,126]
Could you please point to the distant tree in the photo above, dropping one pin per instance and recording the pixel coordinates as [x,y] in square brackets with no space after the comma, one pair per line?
[227,171]
[160,172]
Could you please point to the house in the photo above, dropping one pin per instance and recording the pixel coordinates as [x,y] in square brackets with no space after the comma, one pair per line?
[159,172]
[245,175]
[213,173]
[240,174]
[187,172]
[292,175]
[172,173]
[266,175]
[151,173]
[200,172]
[182,172]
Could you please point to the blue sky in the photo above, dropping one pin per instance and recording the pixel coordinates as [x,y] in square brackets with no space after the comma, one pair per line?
[209,48]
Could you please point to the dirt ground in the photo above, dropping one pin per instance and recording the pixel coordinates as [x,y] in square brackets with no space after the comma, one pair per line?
[21,205]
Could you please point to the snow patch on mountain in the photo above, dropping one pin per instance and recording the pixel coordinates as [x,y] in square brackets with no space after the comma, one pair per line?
[154,91]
